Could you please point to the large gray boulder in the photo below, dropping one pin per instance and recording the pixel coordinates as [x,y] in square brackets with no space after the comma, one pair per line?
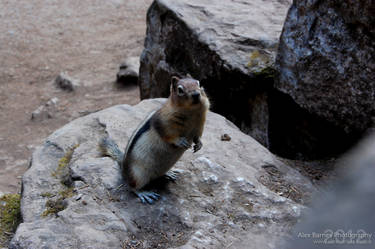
[230,46]
[326,59]
[229,194]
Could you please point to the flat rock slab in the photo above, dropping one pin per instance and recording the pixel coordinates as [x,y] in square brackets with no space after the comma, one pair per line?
[230,193]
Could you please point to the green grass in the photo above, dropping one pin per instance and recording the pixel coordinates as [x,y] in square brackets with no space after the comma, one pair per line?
[10,217]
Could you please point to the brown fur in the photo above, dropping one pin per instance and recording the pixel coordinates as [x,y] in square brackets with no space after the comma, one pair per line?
[179,116]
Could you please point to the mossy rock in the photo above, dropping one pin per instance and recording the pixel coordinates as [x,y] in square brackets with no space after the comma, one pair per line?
[56,201]
[55,205]
[10,216]
[62,170]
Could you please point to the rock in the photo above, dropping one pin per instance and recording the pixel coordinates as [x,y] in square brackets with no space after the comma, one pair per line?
[40,113]
[230,46]
[46,111]
[229,194]
[346,210]
[129,71]
[327,63]
[65,82]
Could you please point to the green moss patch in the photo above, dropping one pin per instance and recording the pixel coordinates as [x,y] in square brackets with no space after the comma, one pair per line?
[259,59]
[57,201]
[66,193]
[10,216]
[64,162]
[268,73]
[48,195]
[55,205]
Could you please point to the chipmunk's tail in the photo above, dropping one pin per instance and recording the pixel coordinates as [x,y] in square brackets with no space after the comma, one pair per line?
[108,147]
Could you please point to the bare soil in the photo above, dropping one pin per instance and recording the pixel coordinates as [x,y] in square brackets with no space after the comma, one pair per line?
[87,39]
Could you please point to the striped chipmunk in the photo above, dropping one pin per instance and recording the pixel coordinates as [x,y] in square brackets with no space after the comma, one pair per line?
[162,138]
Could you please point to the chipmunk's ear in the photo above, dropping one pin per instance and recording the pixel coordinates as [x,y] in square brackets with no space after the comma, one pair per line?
[188,75]
[174,81]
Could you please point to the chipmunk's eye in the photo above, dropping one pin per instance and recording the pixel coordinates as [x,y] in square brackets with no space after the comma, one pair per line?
[180,90]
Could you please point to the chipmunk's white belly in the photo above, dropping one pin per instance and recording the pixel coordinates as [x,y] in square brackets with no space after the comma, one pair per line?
[151,157]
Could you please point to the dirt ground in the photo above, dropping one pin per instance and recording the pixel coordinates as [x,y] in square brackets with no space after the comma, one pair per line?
[88,39]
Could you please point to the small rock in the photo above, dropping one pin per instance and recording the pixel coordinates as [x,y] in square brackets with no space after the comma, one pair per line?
[129,71]
[45,111]
[225,137]
[39,114]
[30,147]
[65,82]
[52,102]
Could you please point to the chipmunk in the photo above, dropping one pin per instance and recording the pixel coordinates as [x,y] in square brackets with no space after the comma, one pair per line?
[161,139]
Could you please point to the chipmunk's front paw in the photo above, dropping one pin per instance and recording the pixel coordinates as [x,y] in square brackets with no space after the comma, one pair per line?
[171,175]
[183,143]
[197,146]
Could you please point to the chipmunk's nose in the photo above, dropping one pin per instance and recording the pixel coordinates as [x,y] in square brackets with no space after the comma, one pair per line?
[196,97]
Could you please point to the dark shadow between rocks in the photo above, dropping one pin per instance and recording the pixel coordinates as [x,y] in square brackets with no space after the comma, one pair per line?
[297,134]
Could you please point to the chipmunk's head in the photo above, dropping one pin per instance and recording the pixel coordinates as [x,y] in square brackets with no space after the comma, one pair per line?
[187,93]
